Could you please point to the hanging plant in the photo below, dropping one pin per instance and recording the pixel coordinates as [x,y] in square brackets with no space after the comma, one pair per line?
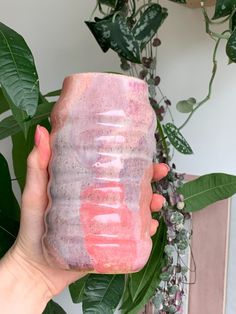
[131,31]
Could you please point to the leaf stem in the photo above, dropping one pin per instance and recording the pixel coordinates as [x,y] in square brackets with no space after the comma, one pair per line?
[94,10]
[133,8]
[1,227]
[214,69]
[208,21]
[100,8]
[163,138]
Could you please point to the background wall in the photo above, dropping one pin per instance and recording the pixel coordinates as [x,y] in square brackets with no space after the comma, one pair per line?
[61,44]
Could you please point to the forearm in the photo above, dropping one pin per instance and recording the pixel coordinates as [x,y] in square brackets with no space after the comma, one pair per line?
[20,290]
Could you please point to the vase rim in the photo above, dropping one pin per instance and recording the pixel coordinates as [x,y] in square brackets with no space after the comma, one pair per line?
[123,76]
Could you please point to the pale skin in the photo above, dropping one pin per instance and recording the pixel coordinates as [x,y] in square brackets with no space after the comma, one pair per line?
[27,281]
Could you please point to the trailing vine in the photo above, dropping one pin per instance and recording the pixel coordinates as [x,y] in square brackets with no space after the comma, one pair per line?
[130,28]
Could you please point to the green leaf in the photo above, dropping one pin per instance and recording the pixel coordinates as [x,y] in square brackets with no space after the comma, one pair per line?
[9,209]
[53,308]
[114,33]
[139,280]
[102,293]
[232,22]
[19,115]
[186,106]
[223,8]
[20,151]
[9,125]
[21,148]
[4,106]
[130,306]
[120,5]
[54,93]
[177,139]
[8,203]
[101,32]
[207,190]
[18,75]
[231,47]
[77,289]
[148,24]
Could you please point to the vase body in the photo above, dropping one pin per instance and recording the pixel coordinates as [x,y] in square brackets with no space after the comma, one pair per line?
[102,140]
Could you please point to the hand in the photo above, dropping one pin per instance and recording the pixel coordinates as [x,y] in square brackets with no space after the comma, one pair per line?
[25,260]
[159,172]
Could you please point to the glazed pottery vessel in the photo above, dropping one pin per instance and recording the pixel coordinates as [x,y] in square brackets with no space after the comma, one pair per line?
[98,217]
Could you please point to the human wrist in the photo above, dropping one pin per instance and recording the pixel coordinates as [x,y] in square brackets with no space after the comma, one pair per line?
[22,290]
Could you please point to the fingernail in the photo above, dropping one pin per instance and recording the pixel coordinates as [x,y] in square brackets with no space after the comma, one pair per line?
[37,136]
[166,166]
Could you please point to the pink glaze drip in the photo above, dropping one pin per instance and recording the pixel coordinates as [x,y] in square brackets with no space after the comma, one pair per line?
[98,218]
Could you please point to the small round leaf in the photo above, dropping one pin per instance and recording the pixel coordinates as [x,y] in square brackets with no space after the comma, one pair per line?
[184,106]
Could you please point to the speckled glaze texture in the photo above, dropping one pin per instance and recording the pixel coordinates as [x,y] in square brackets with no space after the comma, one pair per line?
[98,217]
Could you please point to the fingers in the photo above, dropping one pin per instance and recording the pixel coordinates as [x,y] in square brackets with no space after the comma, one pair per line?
[160,171]
[157,202]
[156,205]
[154,226]
[34,197]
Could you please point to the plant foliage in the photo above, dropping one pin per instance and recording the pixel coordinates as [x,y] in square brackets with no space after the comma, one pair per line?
[207,190]
[131,32]
[18,75]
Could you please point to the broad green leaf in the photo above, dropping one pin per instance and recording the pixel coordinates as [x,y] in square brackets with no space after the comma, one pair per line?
[21,148]
[20,116]
[53,308]
[20,151]
[186,106]
[77,289]
[8,203]
[139,280]
[102,293]
[9,209]
[223,8]
[148,24]
[177,139]
[18,75]
[122,40]
[146,294]
[9,126]
[101,32]
[130,306]
[232,22]
[4,106]
[207,190]
[42,113]
[53,94]
[114,33]
[231,47]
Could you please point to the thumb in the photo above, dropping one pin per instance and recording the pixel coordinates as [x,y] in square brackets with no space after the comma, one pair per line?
[34,198]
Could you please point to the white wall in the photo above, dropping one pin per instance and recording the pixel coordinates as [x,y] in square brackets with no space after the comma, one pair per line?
[185,68]
[62,44]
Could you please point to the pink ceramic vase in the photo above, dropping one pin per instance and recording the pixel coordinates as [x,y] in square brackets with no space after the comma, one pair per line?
[98,218]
